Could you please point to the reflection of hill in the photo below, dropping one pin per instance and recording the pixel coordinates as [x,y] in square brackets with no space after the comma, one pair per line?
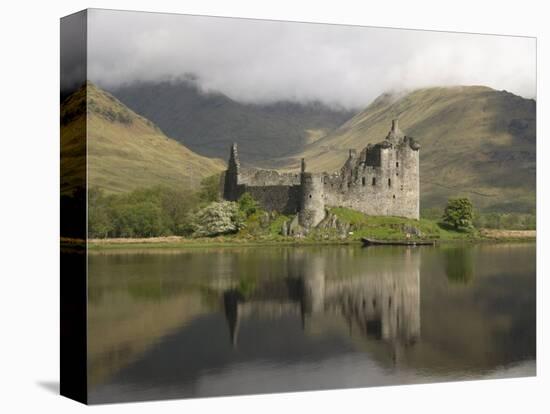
[128,315]
[486,323]
[136,328]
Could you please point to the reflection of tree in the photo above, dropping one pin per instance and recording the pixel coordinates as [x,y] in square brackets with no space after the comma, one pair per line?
[459,265]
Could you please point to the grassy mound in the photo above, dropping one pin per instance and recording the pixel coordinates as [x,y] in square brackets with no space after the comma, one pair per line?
[396,228]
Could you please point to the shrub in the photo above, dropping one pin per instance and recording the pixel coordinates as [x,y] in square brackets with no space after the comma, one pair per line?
[218,218]
[459,213]
[248,205]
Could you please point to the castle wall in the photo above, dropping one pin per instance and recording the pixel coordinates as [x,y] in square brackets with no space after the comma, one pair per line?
[281,198]
[255,177]
[274,191]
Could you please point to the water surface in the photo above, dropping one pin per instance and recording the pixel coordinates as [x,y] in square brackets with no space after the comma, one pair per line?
[241,320]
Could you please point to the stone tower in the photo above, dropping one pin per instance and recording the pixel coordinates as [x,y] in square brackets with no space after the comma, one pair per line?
[312,205]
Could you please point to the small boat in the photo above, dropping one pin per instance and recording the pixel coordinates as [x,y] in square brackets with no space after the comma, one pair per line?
[373,242]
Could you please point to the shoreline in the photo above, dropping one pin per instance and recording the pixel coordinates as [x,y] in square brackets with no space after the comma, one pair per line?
[484,236]
[186,243]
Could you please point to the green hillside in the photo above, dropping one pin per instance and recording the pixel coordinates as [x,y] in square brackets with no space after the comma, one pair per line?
[73,140]
[476,142]
[208,122]
[127,151]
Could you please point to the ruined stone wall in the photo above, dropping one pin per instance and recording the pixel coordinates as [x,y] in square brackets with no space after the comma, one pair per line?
[273,190]
[281,198]
[255,177]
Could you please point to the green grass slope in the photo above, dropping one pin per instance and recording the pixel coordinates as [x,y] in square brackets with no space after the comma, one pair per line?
[73,142]
[476,142]
[127,151]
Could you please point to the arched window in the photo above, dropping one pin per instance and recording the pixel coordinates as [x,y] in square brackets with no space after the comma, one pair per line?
[363,181]
[373,180]
[389,182]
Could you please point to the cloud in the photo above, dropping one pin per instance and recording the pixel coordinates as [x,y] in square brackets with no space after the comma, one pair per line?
[265,61]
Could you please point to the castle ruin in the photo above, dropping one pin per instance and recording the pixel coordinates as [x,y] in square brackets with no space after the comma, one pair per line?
[382,180]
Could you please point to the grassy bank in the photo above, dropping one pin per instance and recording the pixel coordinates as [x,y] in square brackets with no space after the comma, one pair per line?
[352,227]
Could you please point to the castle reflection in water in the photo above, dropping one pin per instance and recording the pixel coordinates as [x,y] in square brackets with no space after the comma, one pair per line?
[381,303]
[241,320]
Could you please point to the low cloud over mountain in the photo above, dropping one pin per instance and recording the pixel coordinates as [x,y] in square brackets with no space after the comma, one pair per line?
[262,61]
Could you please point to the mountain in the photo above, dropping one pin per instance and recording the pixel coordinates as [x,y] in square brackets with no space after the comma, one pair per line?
[208,122]
[125,150]
[475,141]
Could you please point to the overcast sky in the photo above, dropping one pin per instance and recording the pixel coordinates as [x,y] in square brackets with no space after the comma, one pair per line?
[264,61]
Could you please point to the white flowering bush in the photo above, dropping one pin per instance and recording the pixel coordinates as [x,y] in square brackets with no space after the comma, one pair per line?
[218,218]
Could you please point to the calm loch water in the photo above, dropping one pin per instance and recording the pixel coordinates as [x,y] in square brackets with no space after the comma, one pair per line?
[219,321]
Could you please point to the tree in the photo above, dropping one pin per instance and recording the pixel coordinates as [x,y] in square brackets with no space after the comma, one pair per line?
[248,205]
[141,219]
[459,213]
[210,189]
[218,218]
[177,206]
[99,218]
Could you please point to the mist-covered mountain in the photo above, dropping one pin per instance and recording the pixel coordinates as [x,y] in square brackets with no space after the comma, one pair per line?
[125,150]
[208,122]
[475,141]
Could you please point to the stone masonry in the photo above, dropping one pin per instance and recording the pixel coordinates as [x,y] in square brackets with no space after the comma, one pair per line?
[382,180]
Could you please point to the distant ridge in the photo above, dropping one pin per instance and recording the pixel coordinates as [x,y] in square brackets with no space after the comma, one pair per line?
[209,122]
